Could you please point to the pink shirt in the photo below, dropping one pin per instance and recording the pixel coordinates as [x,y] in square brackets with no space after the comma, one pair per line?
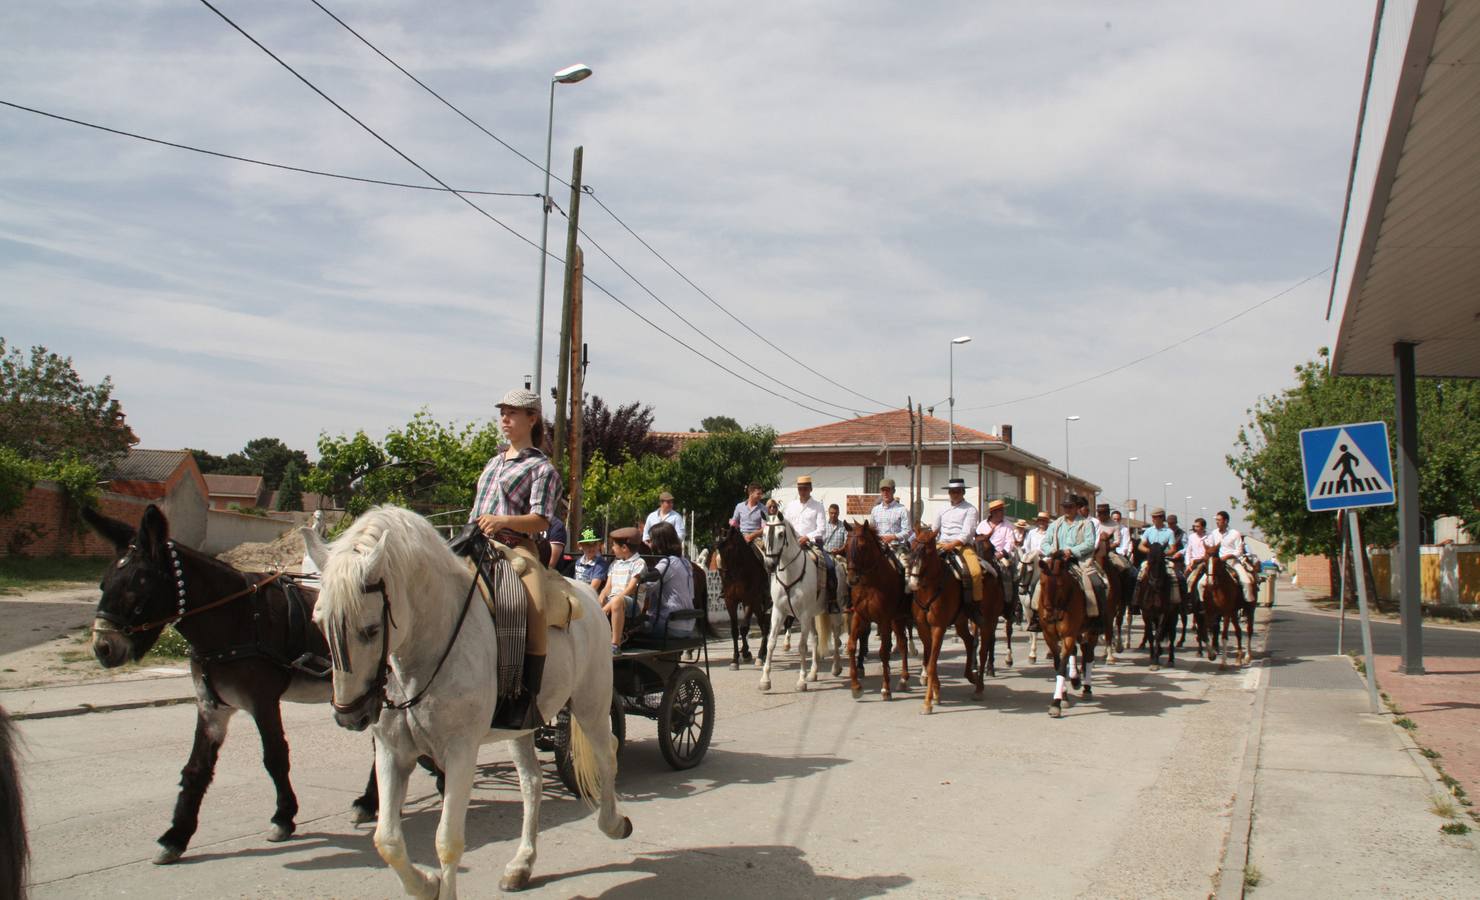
[1001,535]
[1196,548]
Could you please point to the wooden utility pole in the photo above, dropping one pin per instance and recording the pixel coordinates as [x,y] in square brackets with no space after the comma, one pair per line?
[577,394]
[574,215]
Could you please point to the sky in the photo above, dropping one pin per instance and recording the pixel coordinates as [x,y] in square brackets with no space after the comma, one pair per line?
[1073,185]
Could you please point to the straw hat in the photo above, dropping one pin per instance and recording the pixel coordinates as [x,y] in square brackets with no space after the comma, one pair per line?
[996,505]
[804,479]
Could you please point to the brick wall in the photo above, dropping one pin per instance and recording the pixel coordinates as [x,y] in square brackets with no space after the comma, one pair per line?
[1313,572]
[47,511]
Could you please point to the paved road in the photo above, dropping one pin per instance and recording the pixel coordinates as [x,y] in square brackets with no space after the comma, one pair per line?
[1314,634]
[802,795]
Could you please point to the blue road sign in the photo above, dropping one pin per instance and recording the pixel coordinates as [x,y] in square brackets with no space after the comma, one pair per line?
[1347,466]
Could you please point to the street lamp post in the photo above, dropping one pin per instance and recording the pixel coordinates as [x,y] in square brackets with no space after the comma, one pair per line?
[1128,461]
[568,75]
[951,430]
[1164,495]
[1067,420]
[1186,506]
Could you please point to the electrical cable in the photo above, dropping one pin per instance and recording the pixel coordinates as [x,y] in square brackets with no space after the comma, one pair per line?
[255,162]
[589,192]
[487,215]
[1172,346]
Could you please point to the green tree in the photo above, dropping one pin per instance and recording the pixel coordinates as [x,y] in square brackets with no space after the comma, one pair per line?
[47,412]
[290,491]
[710,474]
[717,424]
[624,494]
[617,433]
[208,463]
[1267,454]
[17,475]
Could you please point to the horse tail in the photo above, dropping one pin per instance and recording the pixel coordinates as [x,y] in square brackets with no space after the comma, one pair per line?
[824,630]
[584,761]
[14,853]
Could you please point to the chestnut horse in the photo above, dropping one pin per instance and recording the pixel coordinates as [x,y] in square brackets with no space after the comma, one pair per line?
[994,605]
[1223,602]
[1066,631]
[743,576]
[1114,596]
[878,597]
[939,604]
[1155,593]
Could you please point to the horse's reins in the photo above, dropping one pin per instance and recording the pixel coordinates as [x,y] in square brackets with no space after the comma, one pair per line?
[182,612]
[776,570]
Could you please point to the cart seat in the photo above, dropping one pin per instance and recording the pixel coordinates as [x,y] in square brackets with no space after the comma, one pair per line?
[680,639]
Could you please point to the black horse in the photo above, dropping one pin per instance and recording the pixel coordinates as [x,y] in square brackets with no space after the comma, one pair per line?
[252,645]
[1155,596]
[14,853]
[745,584]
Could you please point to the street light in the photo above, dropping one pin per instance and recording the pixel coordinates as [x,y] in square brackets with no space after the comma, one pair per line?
[1187,506]
[951,432]
[1164,495]
[567,75]
[1128,461]
[1067,420]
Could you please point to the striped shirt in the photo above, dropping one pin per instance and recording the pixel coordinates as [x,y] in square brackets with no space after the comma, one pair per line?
[527,484]
[892,519]
[834,536]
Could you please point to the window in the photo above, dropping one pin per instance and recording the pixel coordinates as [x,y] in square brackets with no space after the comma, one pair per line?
[872,475]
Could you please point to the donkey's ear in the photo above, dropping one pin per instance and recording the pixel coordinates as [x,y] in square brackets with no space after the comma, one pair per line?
[117,533]
[154,531]
[317,550]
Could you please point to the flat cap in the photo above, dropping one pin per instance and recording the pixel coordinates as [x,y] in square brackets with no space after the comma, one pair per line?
[887,483]
[1157,511]
[519,398]
[664,496]
[627,535]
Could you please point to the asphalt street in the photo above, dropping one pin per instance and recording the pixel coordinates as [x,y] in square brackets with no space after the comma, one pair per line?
[802,795]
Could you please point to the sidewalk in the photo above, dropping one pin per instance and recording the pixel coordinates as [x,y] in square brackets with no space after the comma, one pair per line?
[1445,704]
[160,687]
[1342,802]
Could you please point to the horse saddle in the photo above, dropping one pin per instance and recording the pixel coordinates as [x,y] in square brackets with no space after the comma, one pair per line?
[548,590]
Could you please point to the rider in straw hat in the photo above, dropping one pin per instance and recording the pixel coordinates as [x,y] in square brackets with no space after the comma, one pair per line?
[809,520]
[997,544]
[955,531]
[517,496]
[1070,535]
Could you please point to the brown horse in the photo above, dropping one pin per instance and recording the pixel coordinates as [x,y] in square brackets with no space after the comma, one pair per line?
[1224,601]
[878,598]
[1156,595]
[1066,631]
[1114,594]
[939,604]
[994,606]
[744,578]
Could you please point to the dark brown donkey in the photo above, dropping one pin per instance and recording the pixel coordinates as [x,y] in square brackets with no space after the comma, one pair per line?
[879,598]
[938,605]
[1066,631]
[251,641]
[993,606]
[1224,603]
[1114,596]
[744,584]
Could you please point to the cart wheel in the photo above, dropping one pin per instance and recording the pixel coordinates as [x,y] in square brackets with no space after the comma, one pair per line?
[686,718]
[561,728]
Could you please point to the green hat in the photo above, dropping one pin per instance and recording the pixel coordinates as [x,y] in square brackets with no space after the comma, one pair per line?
[588,536]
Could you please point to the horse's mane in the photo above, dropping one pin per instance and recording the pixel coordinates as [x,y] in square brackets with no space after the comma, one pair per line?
[413,553]
[14,853]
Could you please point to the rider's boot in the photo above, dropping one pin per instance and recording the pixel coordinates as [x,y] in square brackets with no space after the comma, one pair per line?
[522,713]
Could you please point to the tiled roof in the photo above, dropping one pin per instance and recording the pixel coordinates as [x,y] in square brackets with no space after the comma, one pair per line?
[234,485]
[148,465]
[891,427]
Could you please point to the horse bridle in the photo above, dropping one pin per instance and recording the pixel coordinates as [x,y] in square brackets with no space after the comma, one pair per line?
[124,626]
[382,673]
[775,558]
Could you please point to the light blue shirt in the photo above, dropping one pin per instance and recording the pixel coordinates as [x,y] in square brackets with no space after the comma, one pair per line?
[892,519]
[747,518]
[674,518]
[1164,536]
[1071,536]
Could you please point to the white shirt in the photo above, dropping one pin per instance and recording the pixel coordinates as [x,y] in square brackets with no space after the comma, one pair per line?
[1196,550]
[1230,543]
[808,518]
[1033,541]
[956,523]
[1123,540]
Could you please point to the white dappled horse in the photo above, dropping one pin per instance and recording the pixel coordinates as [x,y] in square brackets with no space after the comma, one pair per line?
[798,588]
[394,607]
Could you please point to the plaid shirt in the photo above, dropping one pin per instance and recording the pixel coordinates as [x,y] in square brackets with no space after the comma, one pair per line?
[527,484]
[834,537]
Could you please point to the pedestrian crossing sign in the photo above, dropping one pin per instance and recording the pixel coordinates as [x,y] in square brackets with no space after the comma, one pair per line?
[1347,466]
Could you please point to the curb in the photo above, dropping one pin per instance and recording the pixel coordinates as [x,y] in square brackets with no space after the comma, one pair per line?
[86,708]
[1236,851]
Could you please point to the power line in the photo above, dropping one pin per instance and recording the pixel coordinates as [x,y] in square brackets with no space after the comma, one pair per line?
[705,294]
[701,332]
[1172,346]
[248,159]
[512,149]
[487,215]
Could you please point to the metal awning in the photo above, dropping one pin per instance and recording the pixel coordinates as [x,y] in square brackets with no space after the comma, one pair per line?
[1408,260]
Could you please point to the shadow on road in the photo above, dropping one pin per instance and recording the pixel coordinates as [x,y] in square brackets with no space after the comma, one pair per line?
[763,872]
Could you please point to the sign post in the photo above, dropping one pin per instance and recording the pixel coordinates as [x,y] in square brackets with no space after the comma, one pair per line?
[1348,467]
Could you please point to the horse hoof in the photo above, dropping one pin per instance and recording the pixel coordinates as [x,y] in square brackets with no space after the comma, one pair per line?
[837,671]
[885,695]
[1032,658]
[927,711]
[734,667]
[168,854]
[1155,667]
[1055,710]
[765,686]
[1087,694]
[802,686]
[626,829]
[1076,683]
[857,693]
[516,881]
[359,815]
[279,833]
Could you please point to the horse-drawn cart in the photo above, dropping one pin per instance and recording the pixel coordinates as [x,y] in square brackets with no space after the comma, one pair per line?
[651,679]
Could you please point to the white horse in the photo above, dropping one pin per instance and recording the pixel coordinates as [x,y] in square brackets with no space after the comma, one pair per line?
[415,662]
[799,589]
